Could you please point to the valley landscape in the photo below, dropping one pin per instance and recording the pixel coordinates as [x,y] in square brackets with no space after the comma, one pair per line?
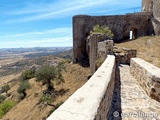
[15,61]
[111,71]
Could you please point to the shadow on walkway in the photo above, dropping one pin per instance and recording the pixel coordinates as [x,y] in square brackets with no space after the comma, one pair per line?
[115,109]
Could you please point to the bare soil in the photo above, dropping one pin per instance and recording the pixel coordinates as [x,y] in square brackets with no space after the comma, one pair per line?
[30,109]
[148,48]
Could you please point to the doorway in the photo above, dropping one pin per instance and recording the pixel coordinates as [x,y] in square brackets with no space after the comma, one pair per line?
[133,33]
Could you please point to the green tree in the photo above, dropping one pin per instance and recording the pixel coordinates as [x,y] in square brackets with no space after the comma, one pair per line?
[48,73]
[104,30]
[22,89]
[28,74]
[59,69]
[5,88]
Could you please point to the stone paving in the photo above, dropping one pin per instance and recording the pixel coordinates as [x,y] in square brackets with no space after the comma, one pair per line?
[130,101]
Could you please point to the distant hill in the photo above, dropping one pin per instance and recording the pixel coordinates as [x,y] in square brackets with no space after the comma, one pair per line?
[66,54]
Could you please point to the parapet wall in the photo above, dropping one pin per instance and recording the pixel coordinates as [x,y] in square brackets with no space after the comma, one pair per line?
[147,75]
[93,100]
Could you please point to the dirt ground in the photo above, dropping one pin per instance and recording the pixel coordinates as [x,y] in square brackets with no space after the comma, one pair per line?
[29,109]
[148,48]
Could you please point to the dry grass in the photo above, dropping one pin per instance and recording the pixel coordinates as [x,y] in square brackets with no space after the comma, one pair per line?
[148,48]
[7,78]
[75,76]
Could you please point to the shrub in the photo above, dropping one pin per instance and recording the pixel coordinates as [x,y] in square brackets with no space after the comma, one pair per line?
[5,107]
[2,98]
[67,60]
[20,96]
[5,88]
[22,89]
[46,98]
[104,30]
[28,74]
[23,86]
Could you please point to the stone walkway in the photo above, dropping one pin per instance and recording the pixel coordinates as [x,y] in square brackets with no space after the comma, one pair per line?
[130,101]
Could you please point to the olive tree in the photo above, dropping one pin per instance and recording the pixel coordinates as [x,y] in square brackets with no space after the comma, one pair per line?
[104,30]
[5,88]
[46,74]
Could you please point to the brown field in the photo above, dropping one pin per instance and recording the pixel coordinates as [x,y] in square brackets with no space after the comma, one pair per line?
[28,109]
[10,60]
[148,48]
[6,79]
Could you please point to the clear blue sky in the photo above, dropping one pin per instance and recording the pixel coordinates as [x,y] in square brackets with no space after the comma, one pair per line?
[45,23]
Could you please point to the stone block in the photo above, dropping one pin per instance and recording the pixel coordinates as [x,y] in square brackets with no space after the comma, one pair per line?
[147,75]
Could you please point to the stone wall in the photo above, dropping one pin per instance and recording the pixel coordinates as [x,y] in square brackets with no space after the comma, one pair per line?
[120,25]
[93,100]
[102,50]
[123,55]
[147,5]
[97,49]
[93,44]
[153,6]
[147,75]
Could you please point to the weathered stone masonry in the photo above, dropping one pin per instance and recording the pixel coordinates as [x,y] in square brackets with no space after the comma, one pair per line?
[144,23]
[148,77]
[93,100]
[120,25]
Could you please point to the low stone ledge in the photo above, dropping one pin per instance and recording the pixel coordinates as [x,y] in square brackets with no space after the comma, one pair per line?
[147,75]
[123,55]
[93,100]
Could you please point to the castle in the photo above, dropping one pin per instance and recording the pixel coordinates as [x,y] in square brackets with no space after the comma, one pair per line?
[114,91]
[146,22]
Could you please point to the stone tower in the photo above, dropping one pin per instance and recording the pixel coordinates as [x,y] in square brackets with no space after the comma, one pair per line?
[153,6]
[147,5]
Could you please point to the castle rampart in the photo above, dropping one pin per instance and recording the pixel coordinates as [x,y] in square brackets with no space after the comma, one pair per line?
[93,100]
[120,25]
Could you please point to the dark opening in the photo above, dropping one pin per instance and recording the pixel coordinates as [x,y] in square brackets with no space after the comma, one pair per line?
[76,60]
[134,33]
[87,34]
